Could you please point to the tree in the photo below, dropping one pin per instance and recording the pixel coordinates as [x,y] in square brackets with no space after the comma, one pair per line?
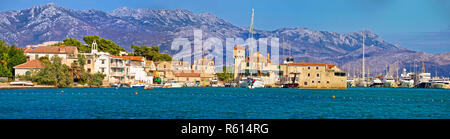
[95,79]
[151,53]
[55,73]
[104,45]
[224,76]
[74,42]
[81,60]
[4,71]
[10,56]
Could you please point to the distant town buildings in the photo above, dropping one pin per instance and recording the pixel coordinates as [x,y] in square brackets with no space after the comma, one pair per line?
[137,69]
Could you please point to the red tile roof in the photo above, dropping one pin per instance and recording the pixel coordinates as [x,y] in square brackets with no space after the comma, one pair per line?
[330,66]
[307,64]
[53,49]
[187,74]
[31,64]
[135,58]
[238,47]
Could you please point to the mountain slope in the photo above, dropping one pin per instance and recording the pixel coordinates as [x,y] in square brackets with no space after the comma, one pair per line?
[127,26]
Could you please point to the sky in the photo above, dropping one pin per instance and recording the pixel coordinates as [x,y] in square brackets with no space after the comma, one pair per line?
[421,25]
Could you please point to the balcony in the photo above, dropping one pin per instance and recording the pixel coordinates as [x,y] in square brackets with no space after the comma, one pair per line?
[117,73]
[117,65]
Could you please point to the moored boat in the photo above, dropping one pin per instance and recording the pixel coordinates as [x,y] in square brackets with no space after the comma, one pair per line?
[173,85]
[139,85]
[21,83]
[251,83]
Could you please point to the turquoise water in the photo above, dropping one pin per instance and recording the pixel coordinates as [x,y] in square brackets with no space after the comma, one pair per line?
[218,103]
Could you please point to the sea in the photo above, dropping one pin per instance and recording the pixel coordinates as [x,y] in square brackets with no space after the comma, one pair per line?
[225,103]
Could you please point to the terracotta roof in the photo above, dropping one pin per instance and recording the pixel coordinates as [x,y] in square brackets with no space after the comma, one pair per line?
[238,47]
[135,58]
[187,74]
[330,66]
[53,49]
[307,64]
[31,64]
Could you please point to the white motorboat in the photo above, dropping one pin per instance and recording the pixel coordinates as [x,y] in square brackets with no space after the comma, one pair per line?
[22,83]
[139,85]
[173,85]
[251,83]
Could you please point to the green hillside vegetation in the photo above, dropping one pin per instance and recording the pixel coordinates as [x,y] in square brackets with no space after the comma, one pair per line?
[150,53]
[10,56]
[104,45]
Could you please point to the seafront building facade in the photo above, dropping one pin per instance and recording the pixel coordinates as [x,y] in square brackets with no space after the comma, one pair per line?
[136,69]
[313,75]
[303,75]
[118,69]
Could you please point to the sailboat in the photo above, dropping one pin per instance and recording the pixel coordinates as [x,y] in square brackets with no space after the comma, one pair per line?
[251,82]
[363,82]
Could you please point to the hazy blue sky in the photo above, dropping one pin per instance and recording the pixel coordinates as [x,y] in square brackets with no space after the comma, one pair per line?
[422,25]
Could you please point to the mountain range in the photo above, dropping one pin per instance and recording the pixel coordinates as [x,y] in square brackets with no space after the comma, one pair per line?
[126,26]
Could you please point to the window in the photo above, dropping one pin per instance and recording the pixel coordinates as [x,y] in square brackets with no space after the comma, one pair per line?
[103,61]
[305,83]
[103,70]
[309,68]
[328,82]
[317,68]
[312,81]
[309,75]
[339,74]
[318,82]
[89,61]
[318,75]
[164,66]
[89,70]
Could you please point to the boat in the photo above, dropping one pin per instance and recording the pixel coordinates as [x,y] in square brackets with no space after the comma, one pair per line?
[21,83]
[148,87]
[189,84]
[139,85]
[251,83]
[214,83]
[376,82]
[440,83]
[350,83]
[423,80]
[117,85]
[173,85]
[389,82]
[406,79]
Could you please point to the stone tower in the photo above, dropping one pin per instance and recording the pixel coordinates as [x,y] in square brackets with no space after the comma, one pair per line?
[94,47]
[239,60]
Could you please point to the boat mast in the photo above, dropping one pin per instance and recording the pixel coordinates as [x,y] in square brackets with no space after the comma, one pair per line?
[363,64]
[423,66]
